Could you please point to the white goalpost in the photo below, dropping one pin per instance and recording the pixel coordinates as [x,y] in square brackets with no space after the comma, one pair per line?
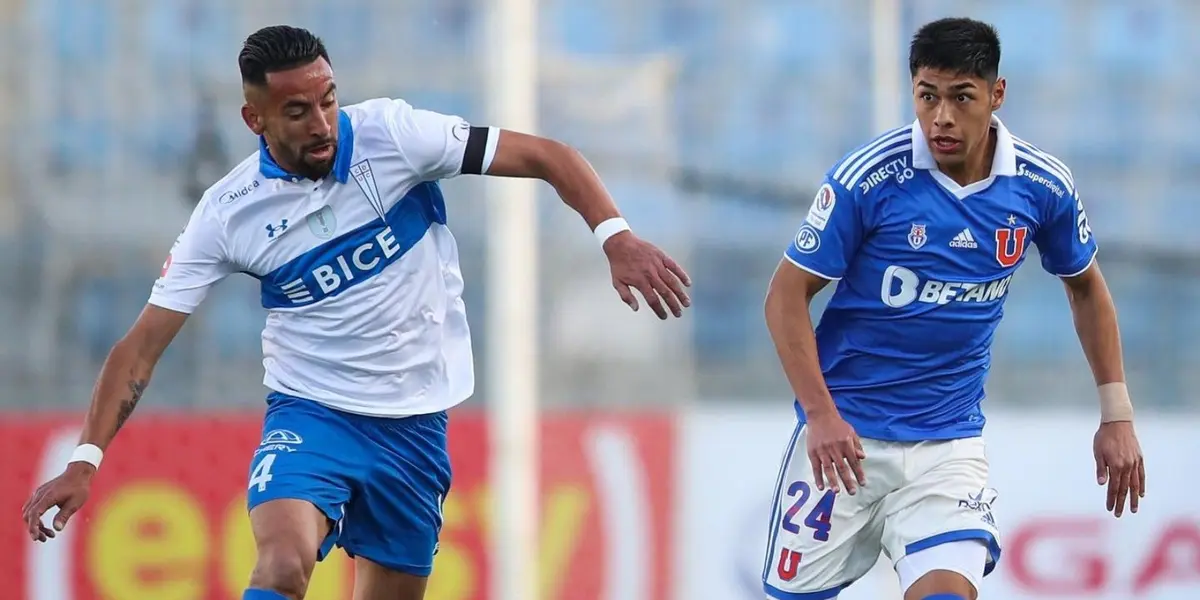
[511,74]
[887,75]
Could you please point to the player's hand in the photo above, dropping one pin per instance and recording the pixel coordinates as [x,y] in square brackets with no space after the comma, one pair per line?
[835,453]
[67,491]
[640,265]
[1119,464]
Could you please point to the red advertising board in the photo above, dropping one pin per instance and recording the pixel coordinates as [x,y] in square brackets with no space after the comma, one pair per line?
[167,519]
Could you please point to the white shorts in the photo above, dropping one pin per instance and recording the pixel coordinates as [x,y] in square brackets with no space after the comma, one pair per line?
[918,496]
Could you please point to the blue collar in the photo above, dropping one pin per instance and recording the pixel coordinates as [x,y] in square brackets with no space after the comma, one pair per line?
[341,161]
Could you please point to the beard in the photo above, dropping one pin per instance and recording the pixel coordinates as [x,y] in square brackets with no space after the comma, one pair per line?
[314,168]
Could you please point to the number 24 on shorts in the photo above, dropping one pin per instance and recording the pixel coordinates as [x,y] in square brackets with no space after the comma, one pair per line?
[818,519]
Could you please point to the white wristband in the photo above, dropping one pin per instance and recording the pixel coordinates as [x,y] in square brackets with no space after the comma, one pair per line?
[609,228]
[88,453]
[1114,403]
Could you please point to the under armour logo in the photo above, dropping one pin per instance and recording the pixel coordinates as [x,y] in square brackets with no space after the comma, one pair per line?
[280,228]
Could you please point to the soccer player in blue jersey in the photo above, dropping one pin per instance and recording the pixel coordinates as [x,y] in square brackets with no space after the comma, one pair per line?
[366,346]
[922,228]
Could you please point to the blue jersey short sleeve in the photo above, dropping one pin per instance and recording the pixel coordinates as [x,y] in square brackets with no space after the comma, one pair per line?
[830,234]
[1065,239]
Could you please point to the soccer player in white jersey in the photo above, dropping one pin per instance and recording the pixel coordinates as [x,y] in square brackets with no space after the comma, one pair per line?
[922,229]
[366,345]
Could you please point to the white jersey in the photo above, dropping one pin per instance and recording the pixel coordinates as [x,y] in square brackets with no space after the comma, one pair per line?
[359,273]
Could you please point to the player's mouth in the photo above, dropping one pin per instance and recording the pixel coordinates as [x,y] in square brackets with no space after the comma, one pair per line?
[944,144]
[321,153]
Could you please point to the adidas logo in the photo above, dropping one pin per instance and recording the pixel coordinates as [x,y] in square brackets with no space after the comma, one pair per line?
[964,239]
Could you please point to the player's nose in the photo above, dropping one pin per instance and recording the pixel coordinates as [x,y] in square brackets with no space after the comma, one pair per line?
[943,117]
[320,125]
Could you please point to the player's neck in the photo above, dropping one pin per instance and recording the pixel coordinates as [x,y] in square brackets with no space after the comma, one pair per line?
[978,165]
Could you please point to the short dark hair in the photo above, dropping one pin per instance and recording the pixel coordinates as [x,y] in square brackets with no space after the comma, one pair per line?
[278,48]
[963,46]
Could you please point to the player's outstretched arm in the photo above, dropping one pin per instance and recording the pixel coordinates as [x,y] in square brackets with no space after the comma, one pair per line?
[635,263]
[834,448]
[119,388]
[1119,462]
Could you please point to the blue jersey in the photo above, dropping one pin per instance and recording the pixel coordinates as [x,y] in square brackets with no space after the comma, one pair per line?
[923,266]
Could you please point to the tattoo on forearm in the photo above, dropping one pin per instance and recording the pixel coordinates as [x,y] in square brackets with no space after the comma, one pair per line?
[136,388]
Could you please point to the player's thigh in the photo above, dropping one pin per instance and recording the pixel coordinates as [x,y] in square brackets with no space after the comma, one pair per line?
[308,457]
[946,500]
[373,581]
[395,517]
[288,535]
[819,542]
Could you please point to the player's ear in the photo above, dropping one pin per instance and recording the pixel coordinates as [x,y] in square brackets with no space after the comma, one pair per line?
[252,119]
[998,91]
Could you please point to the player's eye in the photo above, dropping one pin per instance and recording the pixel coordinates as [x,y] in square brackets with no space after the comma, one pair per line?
[964,98]
[927,97]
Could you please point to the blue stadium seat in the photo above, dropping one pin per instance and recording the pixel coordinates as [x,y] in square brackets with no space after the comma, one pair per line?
[233,319]
[582,26]
[1031,34]
[1141,37]
[352,29]
[831,35]
[78,31]
[180,36]
[105,302]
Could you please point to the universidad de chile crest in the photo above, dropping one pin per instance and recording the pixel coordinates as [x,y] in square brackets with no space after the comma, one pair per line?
[917,237]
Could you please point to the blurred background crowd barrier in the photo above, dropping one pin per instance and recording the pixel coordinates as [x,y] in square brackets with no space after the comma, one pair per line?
[712,121]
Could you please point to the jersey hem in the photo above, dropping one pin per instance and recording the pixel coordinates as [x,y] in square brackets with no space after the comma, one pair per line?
[811,270]
[358,409]
[171,305]
[1086,266]
[912,436]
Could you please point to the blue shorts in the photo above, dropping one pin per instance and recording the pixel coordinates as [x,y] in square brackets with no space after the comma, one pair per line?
[380,480]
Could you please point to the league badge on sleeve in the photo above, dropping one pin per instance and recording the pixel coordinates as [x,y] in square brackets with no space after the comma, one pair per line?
[917,237]
[461,131]
[807,239]
[822,207]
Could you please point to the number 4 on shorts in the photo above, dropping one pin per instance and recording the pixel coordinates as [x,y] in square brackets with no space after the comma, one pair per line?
[261,475]
[817,519]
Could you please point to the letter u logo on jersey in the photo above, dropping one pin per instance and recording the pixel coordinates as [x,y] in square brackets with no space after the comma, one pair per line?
[1010,245]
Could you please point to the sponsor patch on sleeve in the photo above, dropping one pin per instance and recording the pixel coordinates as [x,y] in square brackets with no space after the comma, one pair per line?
[822,207]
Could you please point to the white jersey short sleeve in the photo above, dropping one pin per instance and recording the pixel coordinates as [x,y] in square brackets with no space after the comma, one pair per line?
[196,263]
[440,146]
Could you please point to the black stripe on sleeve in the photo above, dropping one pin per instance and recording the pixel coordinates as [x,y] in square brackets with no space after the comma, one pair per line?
[477,141]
